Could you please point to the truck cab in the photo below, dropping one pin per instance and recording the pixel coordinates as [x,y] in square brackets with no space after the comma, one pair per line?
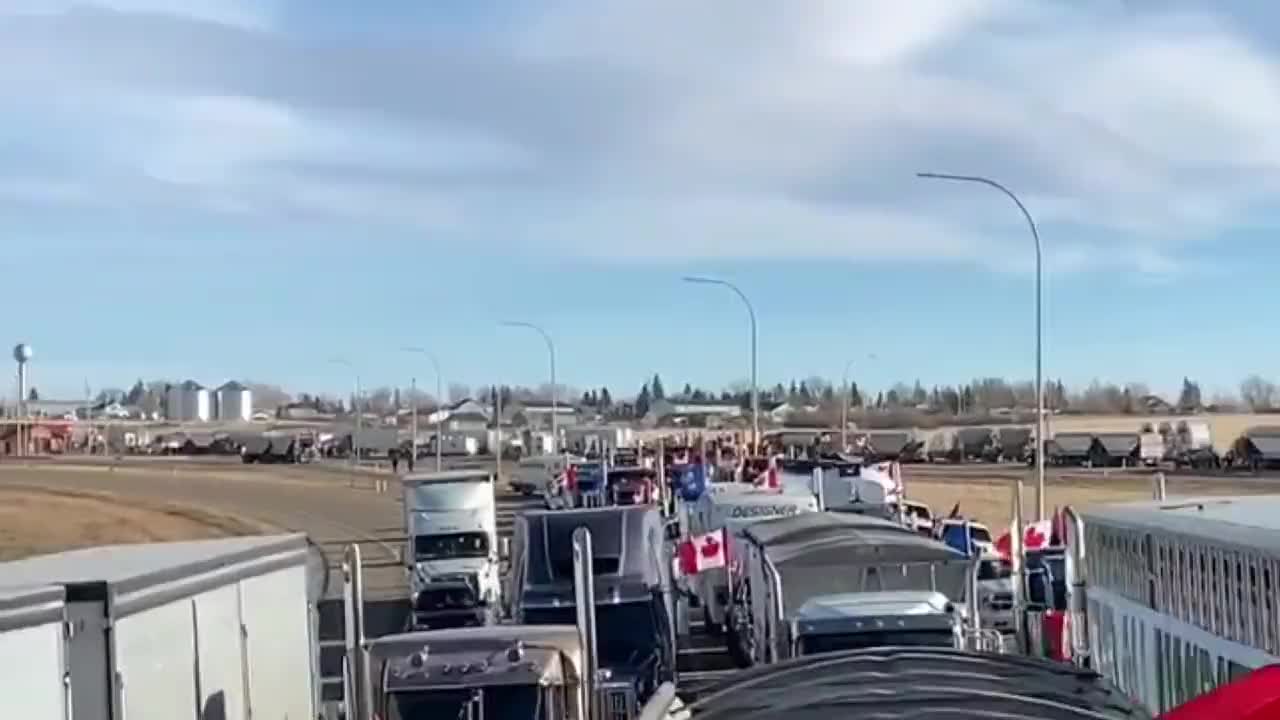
[450,521]
[853,621]
[500,672]
[632,580]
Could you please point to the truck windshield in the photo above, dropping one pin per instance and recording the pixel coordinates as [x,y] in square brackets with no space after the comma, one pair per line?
[451,545]
[519,702]
[814,644]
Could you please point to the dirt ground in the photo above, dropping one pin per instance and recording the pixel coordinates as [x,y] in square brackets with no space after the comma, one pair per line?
[990,500]
[37,521]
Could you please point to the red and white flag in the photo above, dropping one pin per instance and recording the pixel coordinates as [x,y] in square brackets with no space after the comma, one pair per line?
[1034,536]
[702,552]
[769,478]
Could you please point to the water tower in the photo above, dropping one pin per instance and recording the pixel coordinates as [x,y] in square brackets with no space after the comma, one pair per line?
[22,354]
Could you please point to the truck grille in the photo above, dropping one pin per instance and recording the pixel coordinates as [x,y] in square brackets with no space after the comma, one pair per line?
[1000,601]
[617,701]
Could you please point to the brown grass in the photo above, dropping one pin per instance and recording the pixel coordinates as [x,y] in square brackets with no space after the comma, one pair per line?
[990,499]
[35,521]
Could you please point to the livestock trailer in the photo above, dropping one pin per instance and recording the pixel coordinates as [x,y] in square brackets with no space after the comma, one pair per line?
[199,629]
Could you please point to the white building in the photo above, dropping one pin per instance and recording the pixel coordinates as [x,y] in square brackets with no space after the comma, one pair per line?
[188,402]
[234,402]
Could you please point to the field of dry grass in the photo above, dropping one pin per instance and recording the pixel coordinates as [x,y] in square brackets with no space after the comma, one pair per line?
[990,498]
[36,521]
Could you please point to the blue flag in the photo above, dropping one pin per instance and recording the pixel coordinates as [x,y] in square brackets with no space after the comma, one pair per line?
[693,482]
[960,538]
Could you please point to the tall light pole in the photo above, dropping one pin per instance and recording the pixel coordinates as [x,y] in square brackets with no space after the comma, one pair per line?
[845,392]
[435,364]
[755,388]
[355,407]
[1035,235]
[551,353]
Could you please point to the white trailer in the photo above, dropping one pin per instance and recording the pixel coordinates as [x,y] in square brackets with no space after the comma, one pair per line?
[33,654]
[167,631]
[732,512]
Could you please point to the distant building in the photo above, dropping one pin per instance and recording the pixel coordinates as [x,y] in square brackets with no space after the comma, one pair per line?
[188,402]
[234,402]
[667,413]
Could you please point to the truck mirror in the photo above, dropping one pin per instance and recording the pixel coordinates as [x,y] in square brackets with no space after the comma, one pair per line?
[504,549]
[673,531]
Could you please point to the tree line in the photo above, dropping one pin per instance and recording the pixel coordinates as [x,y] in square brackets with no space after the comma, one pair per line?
[977,397]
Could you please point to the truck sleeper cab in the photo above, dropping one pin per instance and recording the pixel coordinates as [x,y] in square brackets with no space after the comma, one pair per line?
[802,570]
[451,528]
[504,672]
[632,579]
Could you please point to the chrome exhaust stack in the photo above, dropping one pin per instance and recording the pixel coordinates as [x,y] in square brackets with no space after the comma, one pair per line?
[1017,562]
[1159,490]
[819,488]
[357,680]
[1077,587]
[584,591]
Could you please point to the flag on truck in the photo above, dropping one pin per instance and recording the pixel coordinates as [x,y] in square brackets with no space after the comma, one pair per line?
[1034,536]
[702,552]
[769,478]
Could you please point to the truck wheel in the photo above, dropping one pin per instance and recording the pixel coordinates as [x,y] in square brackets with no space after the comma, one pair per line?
[712,628]
[736,653]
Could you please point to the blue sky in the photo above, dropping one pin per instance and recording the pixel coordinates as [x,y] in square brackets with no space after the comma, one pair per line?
[229,188]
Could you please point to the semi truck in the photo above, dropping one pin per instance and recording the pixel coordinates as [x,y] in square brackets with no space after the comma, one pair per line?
[633,603]
[451,537]
[818,582]
[545,671]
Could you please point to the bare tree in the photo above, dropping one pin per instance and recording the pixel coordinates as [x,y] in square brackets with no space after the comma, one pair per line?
[268,397]
[1258,393]
[417,398]
[458,392]
[378,400]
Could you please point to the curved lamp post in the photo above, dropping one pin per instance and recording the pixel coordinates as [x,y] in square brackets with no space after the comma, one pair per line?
[1035,235]
[435,364]
[751,313]
[551,353]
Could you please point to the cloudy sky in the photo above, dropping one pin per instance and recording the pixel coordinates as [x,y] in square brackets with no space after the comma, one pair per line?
[217,188]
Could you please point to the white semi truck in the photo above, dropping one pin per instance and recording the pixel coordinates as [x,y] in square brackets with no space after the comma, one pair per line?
[451,529]
[820,582]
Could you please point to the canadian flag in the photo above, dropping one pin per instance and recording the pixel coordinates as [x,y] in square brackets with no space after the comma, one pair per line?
[702,552]
[769,478]
[1034,536]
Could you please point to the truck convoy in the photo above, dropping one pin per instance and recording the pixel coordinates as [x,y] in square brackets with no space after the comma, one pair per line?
[543,671]
[451,546]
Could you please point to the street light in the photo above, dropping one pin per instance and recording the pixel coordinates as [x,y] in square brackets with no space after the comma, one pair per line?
[1035,234]
[845,392]
[755,390]
[435,363]
[355,406]
[551,353]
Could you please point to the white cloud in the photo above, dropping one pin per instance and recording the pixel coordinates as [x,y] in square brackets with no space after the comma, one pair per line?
[667,130]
